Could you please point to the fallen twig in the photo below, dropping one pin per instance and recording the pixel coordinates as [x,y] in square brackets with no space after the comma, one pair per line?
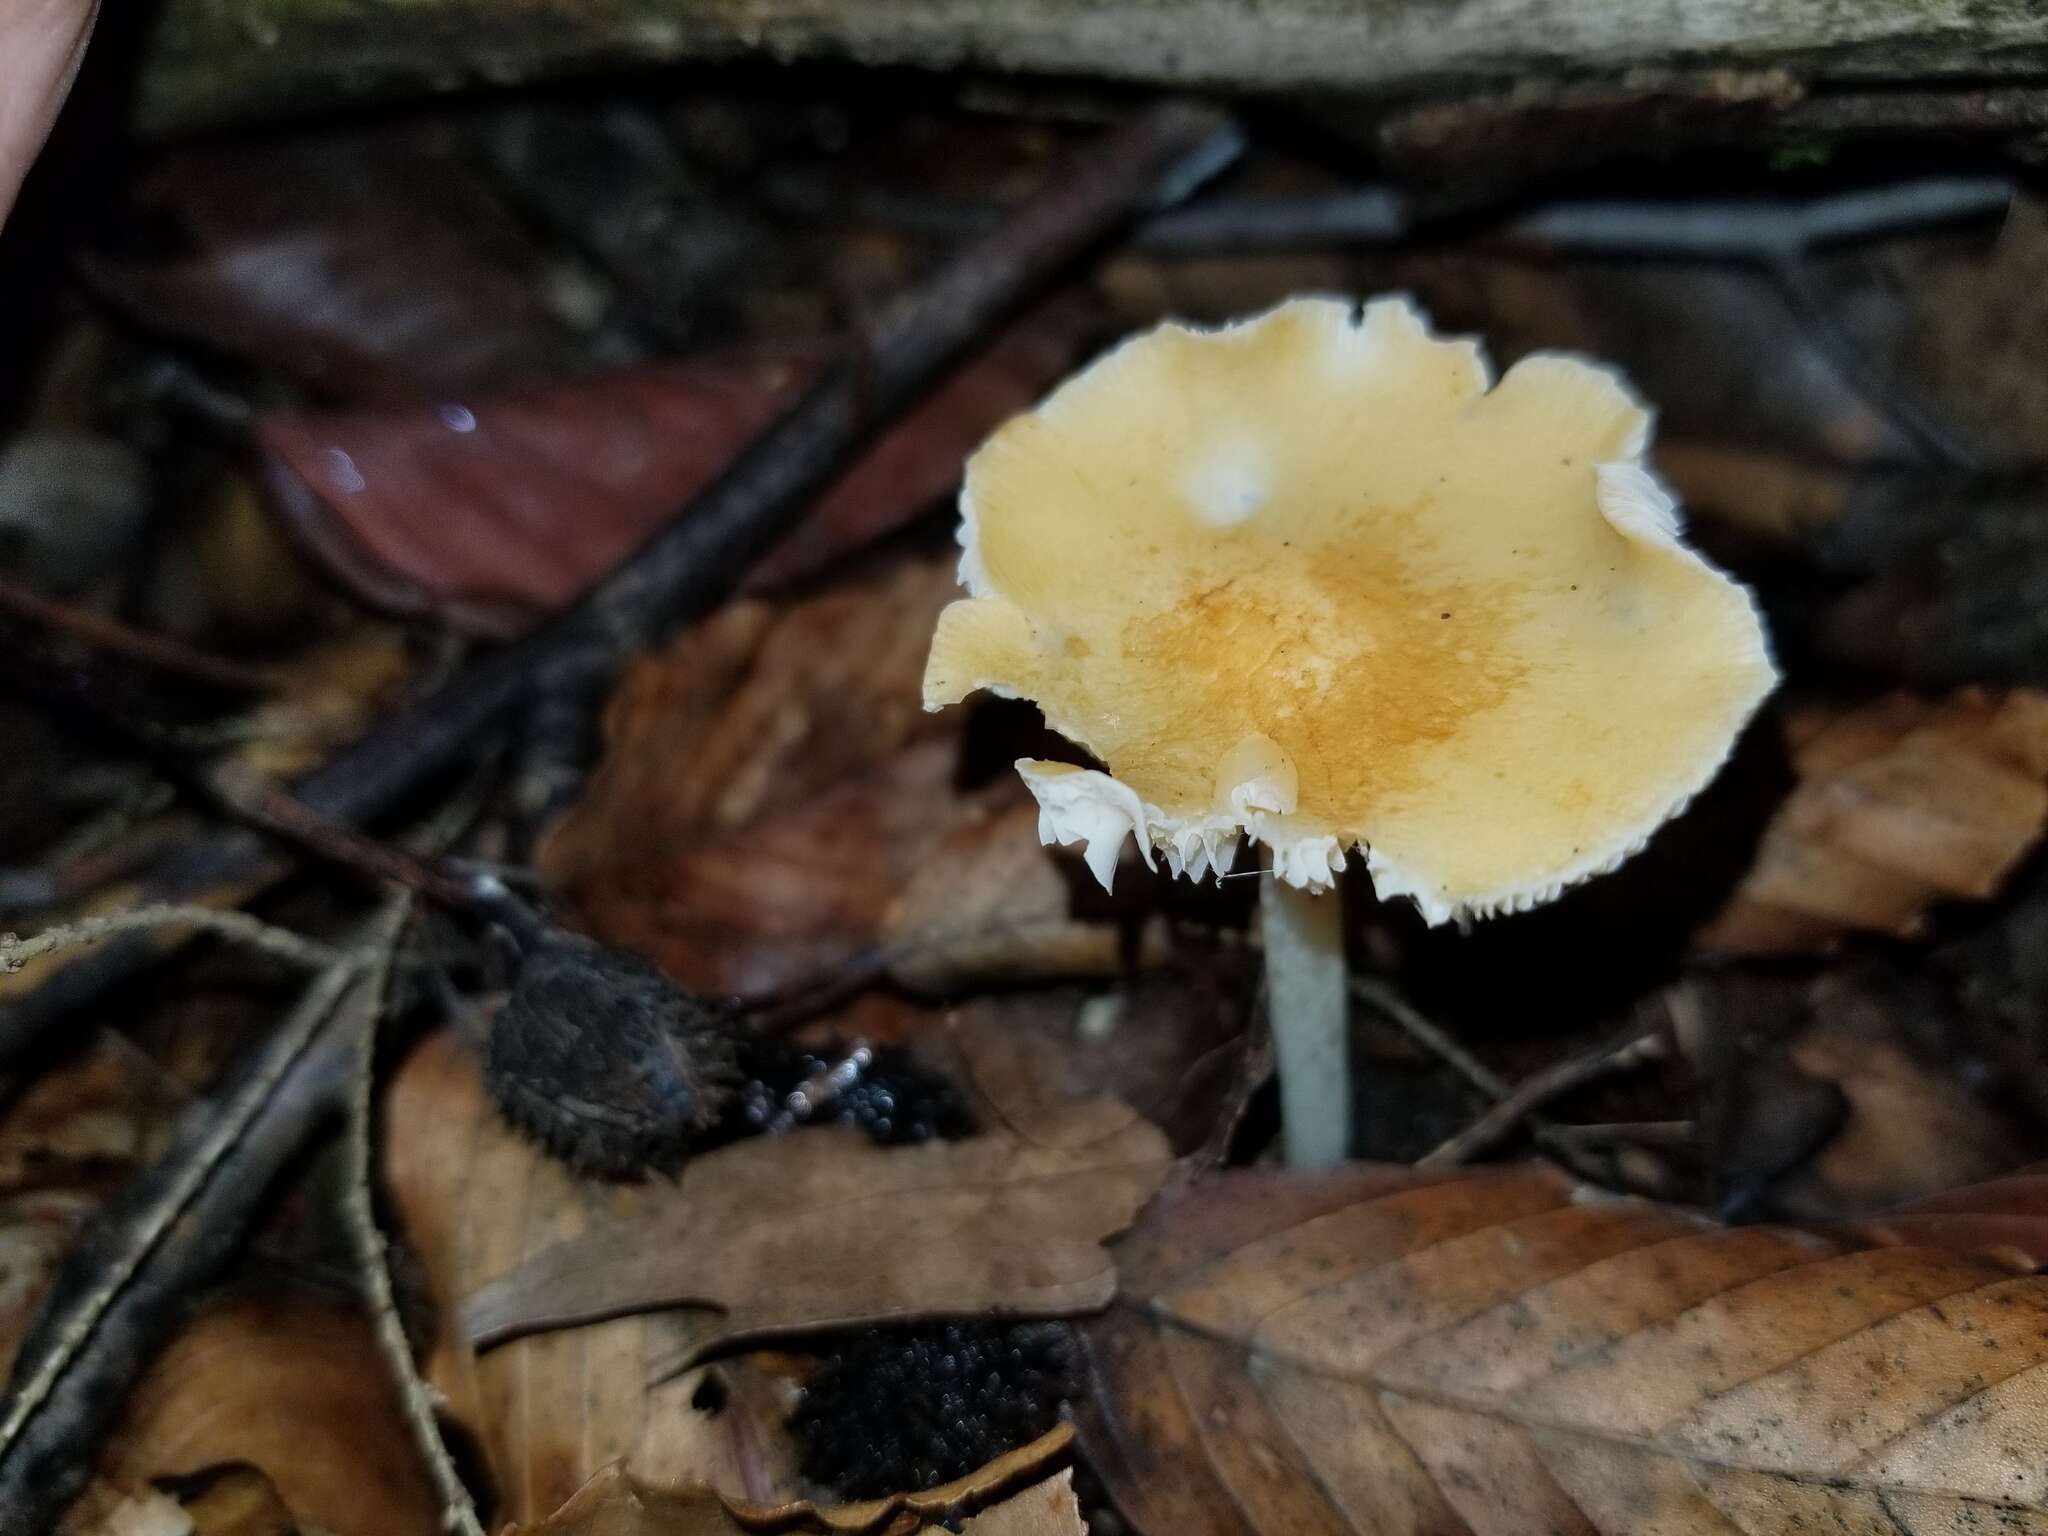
[358,1211]
[1154,160]
[119,1294]
[1377,994]
[238,926]
[1578,1149]
[1633,1050]
[261,803]
[1764,231]
[159,652]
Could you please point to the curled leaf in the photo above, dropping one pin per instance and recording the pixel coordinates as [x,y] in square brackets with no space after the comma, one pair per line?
[827,1230]
[1900,804]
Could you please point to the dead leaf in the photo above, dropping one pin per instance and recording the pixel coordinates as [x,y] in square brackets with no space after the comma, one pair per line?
[326,699]
[2005,1217]
[369,265]
[1356,1349]
[1913,1124]
[550,1410]
[104,1510]
[948,889]
[236,1499]
[615,1503]
[1775,497]
[1170,1043]
[538,495]
[290,1383]
[754,711]
[773,801]
[780,903]
[73,1135]
[473,1199]
[1044,1509]
[827,1230]
[1900,804]
[987,903]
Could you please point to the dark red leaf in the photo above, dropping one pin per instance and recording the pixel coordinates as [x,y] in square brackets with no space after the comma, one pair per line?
[489,511]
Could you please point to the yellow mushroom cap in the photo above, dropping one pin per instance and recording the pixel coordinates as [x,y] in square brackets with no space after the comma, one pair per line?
[1310,577]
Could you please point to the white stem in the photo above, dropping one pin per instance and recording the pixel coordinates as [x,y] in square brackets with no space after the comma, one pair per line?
[1307,1003]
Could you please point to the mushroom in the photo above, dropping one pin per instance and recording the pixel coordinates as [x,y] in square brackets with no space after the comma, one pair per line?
[1309,579]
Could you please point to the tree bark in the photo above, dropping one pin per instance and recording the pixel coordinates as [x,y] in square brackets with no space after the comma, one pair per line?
[219,59]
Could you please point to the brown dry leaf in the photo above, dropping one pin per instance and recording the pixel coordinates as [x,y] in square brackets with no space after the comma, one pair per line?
[290,1383]
[2006,1217]
[1847,1094]
[233,1499]
[754,711]
[615,1503]
[1170,1043]
[104,1510]
[473,1199]
[536,496]
[778,1236]
[1362,1350]
[550,1410]
[779,903]
[774,801]
[1044,1509]
[1913,1126]
[73,1134]
[950,888]
[326,699]
[1900,804]
[988,903]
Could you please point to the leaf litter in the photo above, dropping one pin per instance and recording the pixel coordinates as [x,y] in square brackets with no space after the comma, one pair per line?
[462,382]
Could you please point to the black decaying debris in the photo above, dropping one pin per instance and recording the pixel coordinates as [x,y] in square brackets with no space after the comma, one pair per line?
[606,1062]
[911,1408]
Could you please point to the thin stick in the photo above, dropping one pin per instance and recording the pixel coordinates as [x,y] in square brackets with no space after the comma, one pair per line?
[123,1288]
[261,802]
[1378,994]
[1633,1050]
[1761,231]
[238,926]
[1571,1147]
[160,652]
[358,1210]
[1158,157]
